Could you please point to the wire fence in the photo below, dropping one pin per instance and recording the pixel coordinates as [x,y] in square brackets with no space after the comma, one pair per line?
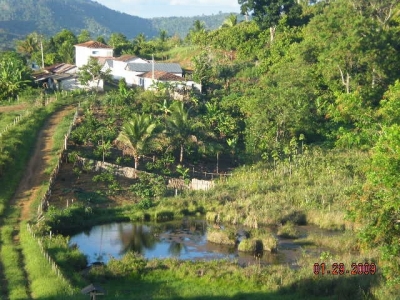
[15,122]
[54,267]
[26,114]
[44,202]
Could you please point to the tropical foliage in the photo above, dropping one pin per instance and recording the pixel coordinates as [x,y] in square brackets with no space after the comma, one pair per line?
[14,75]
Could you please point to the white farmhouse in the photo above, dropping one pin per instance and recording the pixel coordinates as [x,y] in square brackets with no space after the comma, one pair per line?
[91,49]
[135,70]
[118,66]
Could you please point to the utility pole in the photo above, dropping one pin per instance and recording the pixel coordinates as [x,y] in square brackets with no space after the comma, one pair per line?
[41,49]
[152,67]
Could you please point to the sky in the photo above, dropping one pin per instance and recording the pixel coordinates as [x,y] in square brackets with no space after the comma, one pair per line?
[171,8]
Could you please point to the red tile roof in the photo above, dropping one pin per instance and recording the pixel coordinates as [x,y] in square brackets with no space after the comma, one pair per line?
[162,75]
[125,57]
[94,44]
[102,59]
[59,68]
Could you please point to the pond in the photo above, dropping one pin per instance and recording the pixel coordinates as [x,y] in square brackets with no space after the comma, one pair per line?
[185,240]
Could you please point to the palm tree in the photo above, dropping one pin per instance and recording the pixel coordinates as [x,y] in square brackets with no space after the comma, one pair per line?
[231,21]
[137,135]
[198,26]
[164,107]
[139,41]
[163,35]
[181,127]
[29,45]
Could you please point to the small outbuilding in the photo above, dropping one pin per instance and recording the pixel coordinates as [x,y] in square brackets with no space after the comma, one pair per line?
[93,291]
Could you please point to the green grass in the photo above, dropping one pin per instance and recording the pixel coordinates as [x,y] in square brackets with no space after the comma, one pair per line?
[182,55]
[44,281]
[10,257]
[174,279]
[17,144]
[317,191]
[22,135]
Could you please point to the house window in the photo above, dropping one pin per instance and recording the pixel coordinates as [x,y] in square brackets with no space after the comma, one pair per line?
[141,81]
[95,52]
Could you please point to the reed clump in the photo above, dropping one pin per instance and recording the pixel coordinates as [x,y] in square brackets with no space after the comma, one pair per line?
[220,236]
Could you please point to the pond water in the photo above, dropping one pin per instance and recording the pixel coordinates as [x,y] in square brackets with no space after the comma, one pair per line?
[185,240]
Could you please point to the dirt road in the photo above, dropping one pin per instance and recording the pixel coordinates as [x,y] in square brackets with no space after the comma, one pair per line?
[13,107]
[39,161]
[27,192]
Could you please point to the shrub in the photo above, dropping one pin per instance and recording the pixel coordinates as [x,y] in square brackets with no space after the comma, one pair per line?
[145,203]
[247,245]
[131,264]
[221,237]
[270,243]
[149,185]
[288,230]
[164,216]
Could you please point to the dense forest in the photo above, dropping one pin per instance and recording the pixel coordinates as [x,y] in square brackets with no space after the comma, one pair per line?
[303,98]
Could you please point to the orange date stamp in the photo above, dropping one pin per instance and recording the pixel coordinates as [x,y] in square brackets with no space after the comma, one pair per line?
[342,269]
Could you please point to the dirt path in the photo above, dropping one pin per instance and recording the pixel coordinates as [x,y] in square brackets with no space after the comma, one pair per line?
[35,171]
[29,186]
[13,107]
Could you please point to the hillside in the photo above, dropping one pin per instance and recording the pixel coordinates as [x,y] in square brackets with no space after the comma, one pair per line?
[181,25]
[19,18]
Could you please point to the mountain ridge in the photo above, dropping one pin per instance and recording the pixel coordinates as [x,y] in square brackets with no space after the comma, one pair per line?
[21,17]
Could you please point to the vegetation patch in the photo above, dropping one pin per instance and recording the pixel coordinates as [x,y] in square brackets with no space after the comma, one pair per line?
[288,230]
[224,237]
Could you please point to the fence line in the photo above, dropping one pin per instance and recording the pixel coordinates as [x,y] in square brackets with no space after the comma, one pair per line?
[127,172]
[55,268]
[44,202]
[26,114]
[15,122]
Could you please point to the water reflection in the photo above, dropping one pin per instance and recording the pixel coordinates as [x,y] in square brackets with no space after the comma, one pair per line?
[102,242]
[186,240]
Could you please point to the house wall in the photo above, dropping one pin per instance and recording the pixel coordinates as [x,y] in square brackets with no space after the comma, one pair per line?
[118,71]
[82,54]
[70,84]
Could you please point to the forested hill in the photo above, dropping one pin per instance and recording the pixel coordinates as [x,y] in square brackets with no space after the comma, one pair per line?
[181,25]
[21,17]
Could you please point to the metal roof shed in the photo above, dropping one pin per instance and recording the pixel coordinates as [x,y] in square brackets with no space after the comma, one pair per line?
[93,291]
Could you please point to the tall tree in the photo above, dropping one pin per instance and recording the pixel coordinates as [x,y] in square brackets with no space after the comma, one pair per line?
[181,127]
[230,21]
[378,210]
[14,75]
[29,45]
[92,73]
[119,42]
[202,69]
[84,36]
[138,42]
[197,32]
[162,35]
[267,13]
[138,135]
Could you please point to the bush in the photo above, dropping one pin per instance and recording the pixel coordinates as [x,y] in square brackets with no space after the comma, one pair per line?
[164,216]
[288,230]
[145,203]
[131,264]
[247,245]
[270,243]
[221,237]
[149,185]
